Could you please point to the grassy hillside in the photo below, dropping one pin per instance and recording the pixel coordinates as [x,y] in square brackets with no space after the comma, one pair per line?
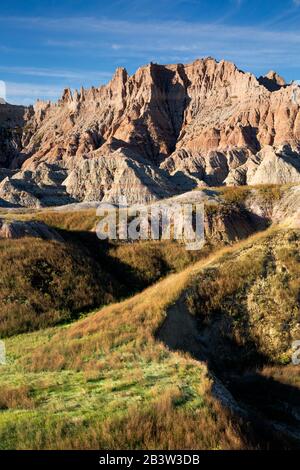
[249,303]
[107,381]
[121,389]
[43,283]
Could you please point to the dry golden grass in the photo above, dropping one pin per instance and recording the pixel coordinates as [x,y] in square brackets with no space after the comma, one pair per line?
[235,194]
[267,193]
[115,349]
[81,220]
[43,283]
[289,374]
[150,261]
[254,295]
[15,397]
[130,325]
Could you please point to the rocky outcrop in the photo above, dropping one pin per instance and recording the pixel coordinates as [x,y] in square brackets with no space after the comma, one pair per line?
[201,122]
[272,81]
[229,223]
[19,229]
[203,107]
[107,178]
[271,165]
[38,188]
[287,210]
[275,167]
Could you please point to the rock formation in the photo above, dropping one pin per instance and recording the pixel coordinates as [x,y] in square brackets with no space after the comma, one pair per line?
[201,124]
[107,178]
[12,121]
[37,188]
[20,229]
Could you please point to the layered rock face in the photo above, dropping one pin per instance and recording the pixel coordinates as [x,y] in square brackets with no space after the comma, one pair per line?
[201,124]
[12,121]
[42,187]
[120,174]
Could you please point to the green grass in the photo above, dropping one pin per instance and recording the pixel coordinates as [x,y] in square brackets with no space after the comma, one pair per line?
[65,405]
[106,382]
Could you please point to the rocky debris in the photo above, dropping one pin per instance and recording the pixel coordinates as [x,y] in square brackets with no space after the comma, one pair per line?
[18,194]
[188,170]
[20,229]
[42,187]
[107,178]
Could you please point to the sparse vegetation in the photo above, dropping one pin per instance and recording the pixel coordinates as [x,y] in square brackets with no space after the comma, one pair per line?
[266,193]
[105,380]
[255,307]
[95,383]
[235,194]
[16,398]
[44,283]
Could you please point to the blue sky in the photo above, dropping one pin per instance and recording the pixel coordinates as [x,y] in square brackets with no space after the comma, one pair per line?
[50,44]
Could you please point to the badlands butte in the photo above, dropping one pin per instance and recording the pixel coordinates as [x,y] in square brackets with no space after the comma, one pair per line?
[165,130]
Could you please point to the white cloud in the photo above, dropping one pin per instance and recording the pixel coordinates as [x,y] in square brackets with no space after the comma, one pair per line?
[55,73]
[158,30]
[143,28]
[251,47]
[164,38]
[27,93]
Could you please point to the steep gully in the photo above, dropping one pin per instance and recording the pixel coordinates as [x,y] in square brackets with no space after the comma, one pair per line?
[267,411]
